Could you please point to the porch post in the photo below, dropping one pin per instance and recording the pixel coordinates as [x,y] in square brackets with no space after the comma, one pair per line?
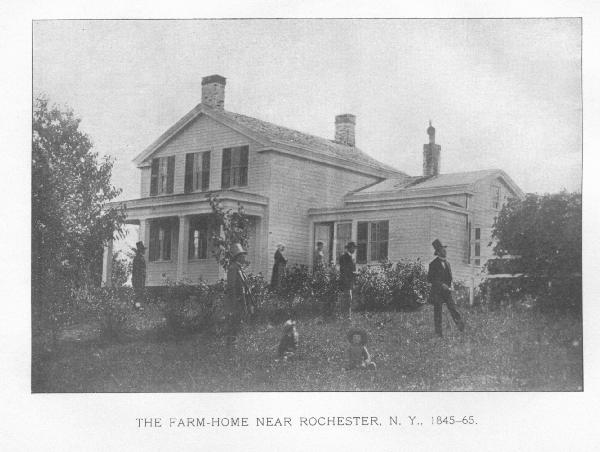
[107,264]
[182,249]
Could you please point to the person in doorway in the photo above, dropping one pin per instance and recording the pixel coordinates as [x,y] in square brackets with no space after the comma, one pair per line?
[278,267]
[347,274]
[440,277]
[138,274]
[236,291]
[319,260]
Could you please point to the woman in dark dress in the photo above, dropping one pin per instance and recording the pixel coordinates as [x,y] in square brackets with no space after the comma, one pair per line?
[278,267]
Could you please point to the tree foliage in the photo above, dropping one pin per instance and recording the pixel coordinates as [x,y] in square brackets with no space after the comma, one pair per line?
[544,231]
[228,226]
[70,188]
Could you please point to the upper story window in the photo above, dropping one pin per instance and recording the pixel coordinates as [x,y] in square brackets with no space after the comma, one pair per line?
[160,240]
[372,241]
[495,197]
[235,167]
[198,243]
[197,171]
[162,175]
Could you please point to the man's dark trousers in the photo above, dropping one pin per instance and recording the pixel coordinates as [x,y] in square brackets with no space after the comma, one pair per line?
[437,311]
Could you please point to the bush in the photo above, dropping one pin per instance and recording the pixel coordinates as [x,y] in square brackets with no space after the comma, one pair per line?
[296,283]
[399,286]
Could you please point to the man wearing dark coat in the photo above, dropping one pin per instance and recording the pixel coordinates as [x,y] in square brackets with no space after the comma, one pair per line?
[440,277]
[347,273]
[235,297]
[138,273]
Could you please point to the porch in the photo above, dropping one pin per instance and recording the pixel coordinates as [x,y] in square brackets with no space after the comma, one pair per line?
[176,232]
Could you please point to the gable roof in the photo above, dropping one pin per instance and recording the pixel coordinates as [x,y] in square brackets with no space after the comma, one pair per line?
[463,181]
[269,134]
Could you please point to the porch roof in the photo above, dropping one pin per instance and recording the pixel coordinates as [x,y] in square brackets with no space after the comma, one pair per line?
[190,204]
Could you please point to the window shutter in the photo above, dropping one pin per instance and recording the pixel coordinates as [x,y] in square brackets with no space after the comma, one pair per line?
[362,235]
[205,170]
[170,173]
[153,251]
[154,177]
[226,170]
[167,242]
[189,173]
[244,166]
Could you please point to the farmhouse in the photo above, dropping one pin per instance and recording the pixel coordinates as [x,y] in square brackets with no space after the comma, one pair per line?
[299,189]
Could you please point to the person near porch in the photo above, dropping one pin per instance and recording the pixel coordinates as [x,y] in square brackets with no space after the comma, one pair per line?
[236,291]
[440,277]
[347,274]
[138,274]
[319,260]
[278,267]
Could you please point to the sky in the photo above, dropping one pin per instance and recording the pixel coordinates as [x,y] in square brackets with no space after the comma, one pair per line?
[501,93]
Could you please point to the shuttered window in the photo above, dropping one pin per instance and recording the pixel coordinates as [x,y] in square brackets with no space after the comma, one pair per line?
[199,238]
[162,175]
[197,171]
[161,233]
[372,241]
[234,171]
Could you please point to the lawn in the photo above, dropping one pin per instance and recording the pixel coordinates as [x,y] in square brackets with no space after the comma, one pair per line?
[507,349]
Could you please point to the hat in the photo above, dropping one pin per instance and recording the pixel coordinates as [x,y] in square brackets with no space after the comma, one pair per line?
[140,246]
[289,324]
[320,243]
[236,249]
[350,244]
[362,333]
[437,245]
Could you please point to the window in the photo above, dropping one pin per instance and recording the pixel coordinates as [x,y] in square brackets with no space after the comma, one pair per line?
[477,254]
[495,197]
[160,240]
[162,175]
[235,167]
[343,236]
[199,237]
[197,171]
[372,241]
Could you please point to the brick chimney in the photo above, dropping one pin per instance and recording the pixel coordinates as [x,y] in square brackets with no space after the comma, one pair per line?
[431,154]
[344,129]
[213,91]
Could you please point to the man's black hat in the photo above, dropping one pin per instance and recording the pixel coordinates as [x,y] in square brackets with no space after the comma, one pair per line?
[140,246]
[350,244]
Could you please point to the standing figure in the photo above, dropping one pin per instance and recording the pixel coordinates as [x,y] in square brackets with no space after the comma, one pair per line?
[319,259]
[138,274]
[358,355]
[440,277]
[278,267]
[289,341]
[347,274]
[235,298]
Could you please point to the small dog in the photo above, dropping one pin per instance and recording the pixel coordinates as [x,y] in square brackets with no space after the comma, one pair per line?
[289,341]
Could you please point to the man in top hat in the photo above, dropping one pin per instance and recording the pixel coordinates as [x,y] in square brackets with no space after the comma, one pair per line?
[347,273]
[138,274]
[235,298]
[440,277]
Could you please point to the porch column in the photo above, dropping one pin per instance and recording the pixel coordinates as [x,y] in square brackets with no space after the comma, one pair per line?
[143,231]
[182,249]
[107,264]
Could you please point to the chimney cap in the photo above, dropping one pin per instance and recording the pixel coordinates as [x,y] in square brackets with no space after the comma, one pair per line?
[430,129]
[213,79]
[345,118]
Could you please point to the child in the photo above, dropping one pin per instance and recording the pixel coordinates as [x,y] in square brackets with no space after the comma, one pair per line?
[358,356]
[289,341]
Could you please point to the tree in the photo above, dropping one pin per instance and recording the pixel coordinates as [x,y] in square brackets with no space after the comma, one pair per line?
[70,188]
[543,235]
[228,226]
[544,231]
[122,266]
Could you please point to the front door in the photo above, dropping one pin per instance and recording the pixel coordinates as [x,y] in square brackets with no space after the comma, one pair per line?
[324,233]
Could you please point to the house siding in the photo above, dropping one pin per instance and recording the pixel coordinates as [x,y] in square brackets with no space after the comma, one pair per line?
[206,134]
[296,186]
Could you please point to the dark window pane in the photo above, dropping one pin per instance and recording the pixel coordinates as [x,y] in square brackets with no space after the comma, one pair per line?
[153,251]
[189,172]
[477,249]
[154,177]
[225,178]
[383,251]
[170,173]
[361,253]
[362,231]
[477,233]
[167,242]
[244,156]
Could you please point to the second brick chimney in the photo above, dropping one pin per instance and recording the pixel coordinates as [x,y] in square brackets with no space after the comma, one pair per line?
[431,154]
[344,129]
[213,91]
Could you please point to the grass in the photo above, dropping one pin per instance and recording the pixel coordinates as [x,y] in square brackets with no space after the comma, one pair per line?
[502,350]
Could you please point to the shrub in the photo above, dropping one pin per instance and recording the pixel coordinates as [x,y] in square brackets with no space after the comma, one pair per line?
[190,307]
[373,286]
[296,283]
